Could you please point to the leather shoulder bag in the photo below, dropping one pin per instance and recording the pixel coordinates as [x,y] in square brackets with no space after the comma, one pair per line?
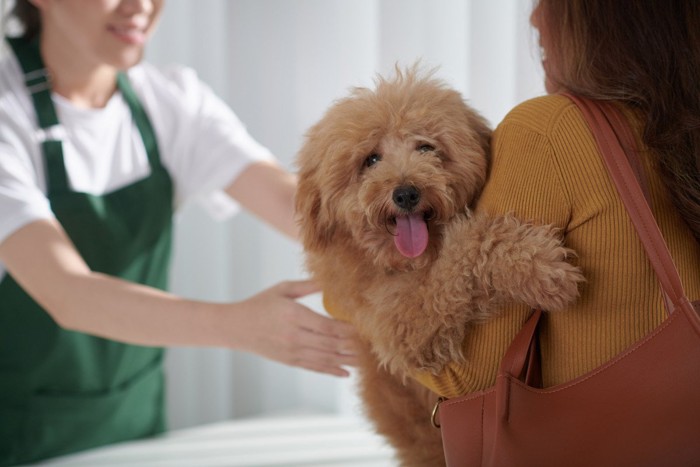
[642,408]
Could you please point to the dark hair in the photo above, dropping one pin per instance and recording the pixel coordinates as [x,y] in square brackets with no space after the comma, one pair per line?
[28,16]
[645,54]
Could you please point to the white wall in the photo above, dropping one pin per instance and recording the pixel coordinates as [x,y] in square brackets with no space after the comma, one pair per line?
[280,63]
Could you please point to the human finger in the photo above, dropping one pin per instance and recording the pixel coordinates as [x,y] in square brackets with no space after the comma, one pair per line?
[325,362]
[329,343]
[321,324]
[298,289]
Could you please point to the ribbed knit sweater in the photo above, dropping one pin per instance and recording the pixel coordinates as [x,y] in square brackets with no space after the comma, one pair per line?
[546,168]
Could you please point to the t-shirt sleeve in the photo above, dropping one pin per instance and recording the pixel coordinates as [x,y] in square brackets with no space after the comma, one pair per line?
[205,145]
[22,200]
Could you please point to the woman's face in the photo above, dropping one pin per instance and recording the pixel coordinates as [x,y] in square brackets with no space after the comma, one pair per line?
[103,32]
[537,19]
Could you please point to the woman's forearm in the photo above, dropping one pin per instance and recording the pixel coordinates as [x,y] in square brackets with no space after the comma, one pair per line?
[44,262]
[268,191]
[128,312]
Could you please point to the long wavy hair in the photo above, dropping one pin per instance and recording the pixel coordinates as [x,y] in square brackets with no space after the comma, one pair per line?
[645,54]
[28,17]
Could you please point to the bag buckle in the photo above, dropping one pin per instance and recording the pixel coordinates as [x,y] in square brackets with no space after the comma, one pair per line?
[434,416]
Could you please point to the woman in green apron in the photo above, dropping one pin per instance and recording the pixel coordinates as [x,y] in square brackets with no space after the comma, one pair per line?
[85,243]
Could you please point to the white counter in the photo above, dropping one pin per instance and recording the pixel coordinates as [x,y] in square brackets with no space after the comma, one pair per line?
[308,441]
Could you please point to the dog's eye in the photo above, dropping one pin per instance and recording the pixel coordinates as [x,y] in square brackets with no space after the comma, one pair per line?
[372,159]
[423,148]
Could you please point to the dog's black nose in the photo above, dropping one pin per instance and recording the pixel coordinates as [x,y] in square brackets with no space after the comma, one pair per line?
[406,197]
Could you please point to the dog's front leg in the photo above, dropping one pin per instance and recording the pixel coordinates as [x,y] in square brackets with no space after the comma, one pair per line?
[419,323]
[525,262]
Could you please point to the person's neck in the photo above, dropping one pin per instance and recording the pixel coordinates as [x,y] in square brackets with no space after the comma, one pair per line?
[84,84]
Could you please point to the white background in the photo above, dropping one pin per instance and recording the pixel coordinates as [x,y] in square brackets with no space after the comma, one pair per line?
[280,64]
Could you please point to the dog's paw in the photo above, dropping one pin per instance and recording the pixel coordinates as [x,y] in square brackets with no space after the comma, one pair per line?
[432,354]
[555,285]
[438,353]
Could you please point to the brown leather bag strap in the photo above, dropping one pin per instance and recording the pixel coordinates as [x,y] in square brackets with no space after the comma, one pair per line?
[628,143]
[629,146]
[600,117]
[521,360]
[514,361]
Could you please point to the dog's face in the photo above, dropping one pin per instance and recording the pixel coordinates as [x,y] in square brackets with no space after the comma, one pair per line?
[383,171]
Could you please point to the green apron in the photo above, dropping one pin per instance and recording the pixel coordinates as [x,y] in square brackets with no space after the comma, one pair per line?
[64,391]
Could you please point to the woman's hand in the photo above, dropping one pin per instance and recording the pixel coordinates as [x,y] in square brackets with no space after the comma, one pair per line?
[274,325]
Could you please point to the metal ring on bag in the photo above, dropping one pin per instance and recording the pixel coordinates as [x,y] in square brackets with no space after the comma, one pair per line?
[433,416]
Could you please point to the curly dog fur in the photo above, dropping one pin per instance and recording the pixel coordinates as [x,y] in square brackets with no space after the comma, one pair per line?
[386,178]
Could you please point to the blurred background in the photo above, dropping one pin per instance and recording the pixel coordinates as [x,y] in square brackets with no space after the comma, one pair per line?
[279,64]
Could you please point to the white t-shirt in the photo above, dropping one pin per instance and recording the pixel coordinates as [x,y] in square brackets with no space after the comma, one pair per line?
[202,144]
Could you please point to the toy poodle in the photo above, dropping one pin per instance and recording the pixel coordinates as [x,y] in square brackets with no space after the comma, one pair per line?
[386,179]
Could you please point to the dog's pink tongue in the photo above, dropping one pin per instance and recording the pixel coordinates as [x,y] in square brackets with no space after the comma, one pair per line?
[411,235]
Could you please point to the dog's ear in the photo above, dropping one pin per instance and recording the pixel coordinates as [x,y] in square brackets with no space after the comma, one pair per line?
[467,139]
[315,226]
[482,130]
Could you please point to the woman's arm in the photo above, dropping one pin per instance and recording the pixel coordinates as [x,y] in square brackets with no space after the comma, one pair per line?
[267,190]
[41,258]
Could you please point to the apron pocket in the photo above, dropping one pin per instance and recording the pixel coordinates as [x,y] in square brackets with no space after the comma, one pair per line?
[58,424]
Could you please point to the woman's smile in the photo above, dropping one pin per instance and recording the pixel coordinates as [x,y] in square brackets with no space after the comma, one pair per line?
[132,34]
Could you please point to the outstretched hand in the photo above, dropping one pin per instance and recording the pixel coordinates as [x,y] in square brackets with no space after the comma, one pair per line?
[274,325]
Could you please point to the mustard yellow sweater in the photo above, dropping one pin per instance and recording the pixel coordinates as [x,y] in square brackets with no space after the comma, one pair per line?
[546,168]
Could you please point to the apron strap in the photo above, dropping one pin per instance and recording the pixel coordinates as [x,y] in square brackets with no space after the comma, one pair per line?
[36,78]
[38,83]
[143,123]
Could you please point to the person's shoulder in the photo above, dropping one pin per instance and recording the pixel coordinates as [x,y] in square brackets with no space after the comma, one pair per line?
[544,115]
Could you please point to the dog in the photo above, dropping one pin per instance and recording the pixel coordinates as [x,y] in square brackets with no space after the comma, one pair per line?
[386,181]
